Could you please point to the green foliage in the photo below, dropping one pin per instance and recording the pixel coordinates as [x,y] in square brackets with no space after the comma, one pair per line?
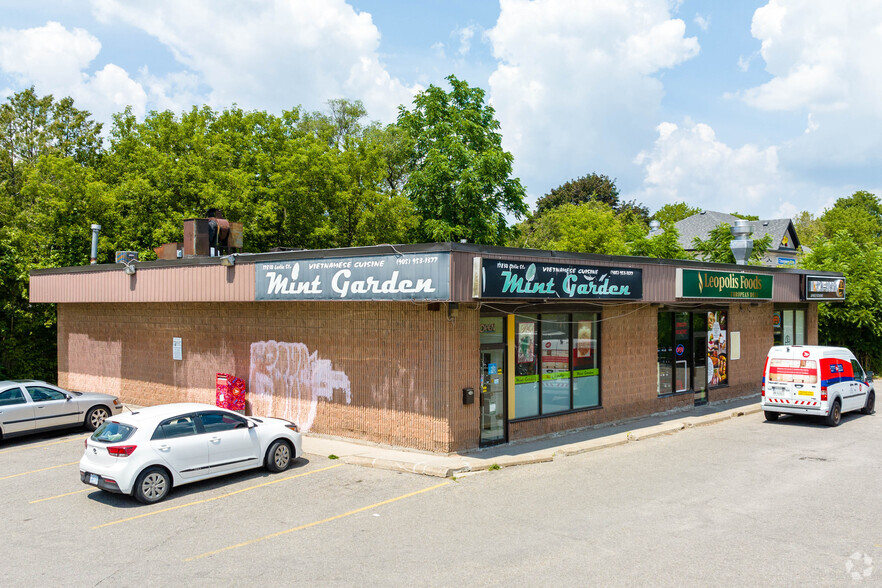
[716,248]
[859,215]
[459,176]
[808,228]
[855,323]
[590,188]
[665,245]
[591,227]
[674,212]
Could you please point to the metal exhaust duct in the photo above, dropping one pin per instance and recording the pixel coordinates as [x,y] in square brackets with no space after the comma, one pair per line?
[93,258]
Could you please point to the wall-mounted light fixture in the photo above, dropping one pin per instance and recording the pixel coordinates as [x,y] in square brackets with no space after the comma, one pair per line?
[228,260]
[130,269]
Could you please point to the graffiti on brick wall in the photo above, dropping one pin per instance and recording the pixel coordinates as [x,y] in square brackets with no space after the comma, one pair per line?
[287,381]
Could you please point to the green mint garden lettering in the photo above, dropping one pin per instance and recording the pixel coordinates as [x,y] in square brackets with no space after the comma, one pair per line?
[514,279]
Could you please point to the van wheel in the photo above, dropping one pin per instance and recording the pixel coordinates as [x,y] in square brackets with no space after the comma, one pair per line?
[771,416]
[835,414]
[870,407]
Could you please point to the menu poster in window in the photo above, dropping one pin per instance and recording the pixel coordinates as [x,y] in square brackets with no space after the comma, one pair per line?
[717,348]
[526,338]
[583,339]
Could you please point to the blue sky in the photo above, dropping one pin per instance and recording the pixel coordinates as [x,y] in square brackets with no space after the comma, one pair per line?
[762,107]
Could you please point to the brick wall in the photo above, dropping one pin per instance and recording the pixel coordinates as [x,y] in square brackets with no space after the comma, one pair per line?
[404,366]
[811,323]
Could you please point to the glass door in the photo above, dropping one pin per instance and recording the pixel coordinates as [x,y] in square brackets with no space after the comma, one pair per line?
[492,396]
[699,362]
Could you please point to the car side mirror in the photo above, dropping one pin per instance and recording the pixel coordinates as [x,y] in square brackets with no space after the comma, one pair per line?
[251,424]
[870,376]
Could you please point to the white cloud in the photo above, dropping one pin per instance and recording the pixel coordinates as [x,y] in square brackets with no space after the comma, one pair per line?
[574,88]
[270,55]
[702,22]
[690,164]
[465,35]
[55,59]
[823,56]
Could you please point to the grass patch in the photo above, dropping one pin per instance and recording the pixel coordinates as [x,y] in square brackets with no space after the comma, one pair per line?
[493,467]
[332,456]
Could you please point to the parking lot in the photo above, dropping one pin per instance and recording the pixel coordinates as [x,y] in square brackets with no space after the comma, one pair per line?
[68,533]
[742,502]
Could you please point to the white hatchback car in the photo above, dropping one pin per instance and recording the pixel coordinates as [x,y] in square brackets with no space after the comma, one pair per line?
[149,451]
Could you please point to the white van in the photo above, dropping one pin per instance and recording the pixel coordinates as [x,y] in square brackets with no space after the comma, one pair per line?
[814,380]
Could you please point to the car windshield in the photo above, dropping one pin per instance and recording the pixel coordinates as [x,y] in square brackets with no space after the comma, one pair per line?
[112,432]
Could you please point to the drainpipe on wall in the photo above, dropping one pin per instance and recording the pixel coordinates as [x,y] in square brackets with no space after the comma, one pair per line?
[93,257]
[741,246]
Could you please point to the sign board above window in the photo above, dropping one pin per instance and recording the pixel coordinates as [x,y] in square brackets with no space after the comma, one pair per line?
[723,285]
[496,278]
[409,276]
[824,288]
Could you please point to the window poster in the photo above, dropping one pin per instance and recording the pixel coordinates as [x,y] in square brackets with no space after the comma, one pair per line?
[717,348]
[526,339]
[583,339]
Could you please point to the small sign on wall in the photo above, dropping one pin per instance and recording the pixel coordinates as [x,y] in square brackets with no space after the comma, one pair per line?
[177,348]
[735,345]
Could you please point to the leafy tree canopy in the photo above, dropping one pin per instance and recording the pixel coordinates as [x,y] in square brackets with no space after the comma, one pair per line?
[590,188]
[459,176]
[716,248]
[590,227]
[674,212]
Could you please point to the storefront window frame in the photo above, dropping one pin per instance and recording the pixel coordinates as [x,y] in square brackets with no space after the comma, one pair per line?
[569,312]
[704,310]
[779,309]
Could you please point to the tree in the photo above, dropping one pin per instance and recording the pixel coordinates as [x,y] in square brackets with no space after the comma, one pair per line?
[591,227]
[590,188]
[856,322]
[665,245]
[459,176]
[674,212]
[809,228]
[859,215]
[716,248]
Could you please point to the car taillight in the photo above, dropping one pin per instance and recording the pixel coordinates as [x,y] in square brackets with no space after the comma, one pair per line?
[823,393]
[121,450]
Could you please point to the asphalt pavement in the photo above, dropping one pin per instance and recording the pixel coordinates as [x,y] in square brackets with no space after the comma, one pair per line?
[527,452]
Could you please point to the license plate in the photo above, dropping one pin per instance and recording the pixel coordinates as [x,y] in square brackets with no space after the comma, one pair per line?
[778,391]
[93,479]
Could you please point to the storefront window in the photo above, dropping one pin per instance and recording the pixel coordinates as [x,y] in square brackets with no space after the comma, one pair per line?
[717,348]
[555,363]
[527,367]
[788,327]
[492,330]
[682,352]
[558,363]
[665,354]
[586,363]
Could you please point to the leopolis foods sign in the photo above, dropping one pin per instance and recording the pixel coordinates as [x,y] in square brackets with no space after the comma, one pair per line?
[723,285]
[407,276]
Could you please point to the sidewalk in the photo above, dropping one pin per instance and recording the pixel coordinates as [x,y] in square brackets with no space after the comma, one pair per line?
[521,453]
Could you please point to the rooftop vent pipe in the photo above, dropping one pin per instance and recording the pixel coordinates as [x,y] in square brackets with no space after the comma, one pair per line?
[741,245]
[93,257]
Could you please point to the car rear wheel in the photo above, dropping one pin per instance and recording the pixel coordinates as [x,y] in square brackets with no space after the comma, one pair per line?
[95,417]
[870,407]
[835,414]
[771,416]
[278,456]
[152,485]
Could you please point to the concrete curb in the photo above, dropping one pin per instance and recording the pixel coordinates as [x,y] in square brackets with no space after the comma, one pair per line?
[400,466]
[460,464]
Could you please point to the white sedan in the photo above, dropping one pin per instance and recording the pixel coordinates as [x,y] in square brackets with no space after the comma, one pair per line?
[149,451]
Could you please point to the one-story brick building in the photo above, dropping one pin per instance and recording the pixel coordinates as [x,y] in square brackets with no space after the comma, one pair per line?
[438,347]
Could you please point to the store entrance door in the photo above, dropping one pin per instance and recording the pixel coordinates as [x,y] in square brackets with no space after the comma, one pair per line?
[492,396]
[699,361]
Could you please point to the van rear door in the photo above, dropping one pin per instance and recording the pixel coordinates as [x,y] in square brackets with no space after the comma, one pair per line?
[793,382]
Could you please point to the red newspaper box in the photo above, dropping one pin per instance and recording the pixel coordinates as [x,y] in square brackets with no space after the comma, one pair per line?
[230,392]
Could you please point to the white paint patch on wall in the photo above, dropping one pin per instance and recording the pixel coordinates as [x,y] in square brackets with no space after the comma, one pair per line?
[287,381]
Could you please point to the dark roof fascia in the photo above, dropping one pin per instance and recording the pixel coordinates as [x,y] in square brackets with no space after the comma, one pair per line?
[551,256]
